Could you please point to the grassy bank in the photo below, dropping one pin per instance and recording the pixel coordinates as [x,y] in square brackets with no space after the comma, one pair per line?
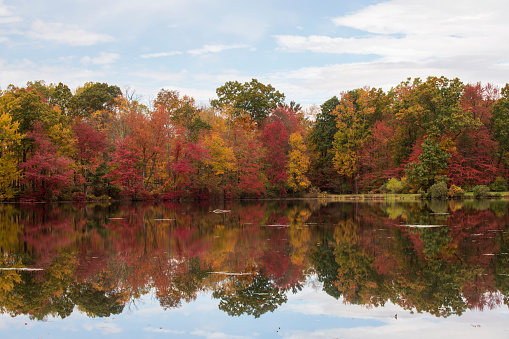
[397,197]
[375,197]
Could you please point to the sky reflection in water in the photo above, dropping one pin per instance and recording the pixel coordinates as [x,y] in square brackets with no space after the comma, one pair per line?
[104,259]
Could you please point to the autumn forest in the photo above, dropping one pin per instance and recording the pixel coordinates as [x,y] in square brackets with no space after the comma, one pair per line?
[100,142]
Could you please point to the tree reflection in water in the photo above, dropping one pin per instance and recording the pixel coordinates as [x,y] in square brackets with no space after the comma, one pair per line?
[101,257]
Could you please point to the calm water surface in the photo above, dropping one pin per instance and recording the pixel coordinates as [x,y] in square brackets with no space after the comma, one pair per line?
[291,269]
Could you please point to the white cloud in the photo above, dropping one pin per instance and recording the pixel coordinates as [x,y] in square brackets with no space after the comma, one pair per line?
[159,55]
[202,96]
[105,327]
[5,10]
[405,38]
[102,59]
[471,324]
[7,15]
[403,30]
[316,84]
[10,19]
[217,48]
[389,48]
[20,72]
[431,17]
[66,34]
[160,76]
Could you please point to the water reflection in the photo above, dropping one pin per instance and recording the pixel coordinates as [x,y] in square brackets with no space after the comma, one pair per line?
[101,258]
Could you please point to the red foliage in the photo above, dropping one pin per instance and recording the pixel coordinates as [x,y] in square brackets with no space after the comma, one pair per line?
[186,157]
[126,170]
[287,117]
[376,157]
[473,164]
[275,139]
[90,142]
[46,172]
[79,196]
[479,100]
[249,155]
[471,170]
[149,133]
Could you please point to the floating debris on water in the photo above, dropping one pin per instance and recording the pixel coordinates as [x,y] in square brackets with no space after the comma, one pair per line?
[230,273]
[221,211]
[422,226]
[20,269]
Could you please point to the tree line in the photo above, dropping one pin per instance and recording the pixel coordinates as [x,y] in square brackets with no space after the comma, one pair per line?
[99,142]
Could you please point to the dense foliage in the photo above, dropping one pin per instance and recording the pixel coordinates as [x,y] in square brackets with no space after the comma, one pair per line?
[98,141]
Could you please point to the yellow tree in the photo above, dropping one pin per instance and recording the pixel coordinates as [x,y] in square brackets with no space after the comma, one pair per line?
[62,135]
[239,131]
[354,117]
[221,161]
[10,138]
[298,164]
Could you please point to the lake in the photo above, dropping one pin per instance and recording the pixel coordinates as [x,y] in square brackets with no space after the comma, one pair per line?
[267,269]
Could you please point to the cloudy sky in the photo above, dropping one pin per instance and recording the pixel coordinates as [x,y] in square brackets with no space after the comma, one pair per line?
[310,51]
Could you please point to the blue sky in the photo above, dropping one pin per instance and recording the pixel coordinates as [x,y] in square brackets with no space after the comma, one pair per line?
[310,51]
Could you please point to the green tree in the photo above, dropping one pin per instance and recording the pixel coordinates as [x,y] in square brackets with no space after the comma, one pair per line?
[92,97]
[322,135]
[96,302]
[431,165]
[182,112]
[321,138]
[500,121]
[395,186]
[355,115]
[27,107]
[56,95]
[431,108]
[256,299]
[252,97]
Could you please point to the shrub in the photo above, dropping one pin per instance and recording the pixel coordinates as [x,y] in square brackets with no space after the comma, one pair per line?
[103,197]
[498,185]
[173,195]
[481,191]
[395,186]
[456,192]
[438,191]
[65,197]
[79,196]
[156,195]
[314,192]
[143,196]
